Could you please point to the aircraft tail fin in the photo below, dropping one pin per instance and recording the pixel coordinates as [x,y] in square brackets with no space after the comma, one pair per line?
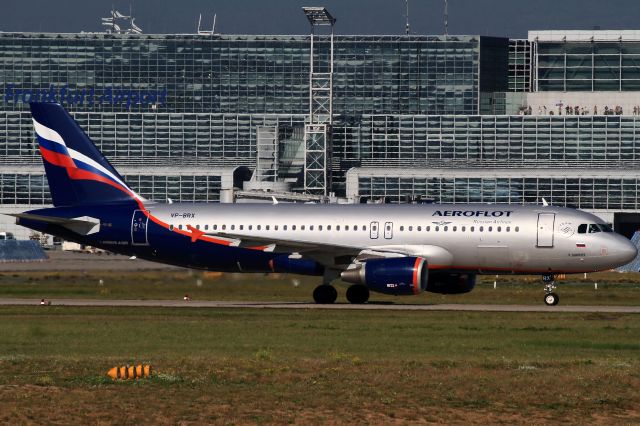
[76,170]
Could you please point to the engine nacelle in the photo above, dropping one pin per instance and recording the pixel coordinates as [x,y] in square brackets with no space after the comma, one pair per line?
[396,275]
[450,283]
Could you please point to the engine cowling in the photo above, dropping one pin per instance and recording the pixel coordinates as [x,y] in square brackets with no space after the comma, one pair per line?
[450,283]
[396,276]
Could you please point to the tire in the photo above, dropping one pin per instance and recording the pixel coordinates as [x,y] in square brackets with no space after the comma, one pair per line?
[551,299]
[358,294]
[325,294]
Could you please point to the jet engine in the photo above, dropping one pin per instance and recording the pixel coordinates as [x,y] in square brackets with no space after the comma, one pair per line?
[450,283]
[397,275]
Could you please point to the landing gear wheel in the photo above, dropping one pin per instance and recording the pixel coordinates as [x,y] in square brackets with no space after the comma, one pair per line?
[358,294]
[551,299]
[325,294]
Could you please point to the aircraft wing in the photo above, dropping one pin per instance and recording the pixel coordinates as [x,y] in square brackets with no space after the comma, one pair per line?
[333,254]
[279,245]
[84,225]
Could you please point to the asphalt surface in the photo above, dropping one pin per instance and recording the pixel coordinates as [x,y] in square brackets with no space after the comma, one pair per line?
[295,305]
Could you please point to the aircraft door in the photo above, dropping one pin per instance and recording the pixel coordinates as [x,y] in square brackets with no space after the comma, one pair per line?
[139,223]
[388,230]
[373,230]
[545,229]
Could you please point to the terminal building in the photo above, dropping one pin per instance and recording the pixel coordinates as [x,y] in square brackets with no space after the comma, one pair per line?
[400,118]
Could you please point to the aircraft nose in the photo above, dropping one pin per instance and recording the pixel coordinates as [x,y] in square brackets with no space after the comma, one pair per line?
[626,251]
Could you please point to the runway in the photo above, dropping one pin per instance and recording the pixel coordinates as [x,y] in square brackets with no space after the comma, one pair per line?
[296,305]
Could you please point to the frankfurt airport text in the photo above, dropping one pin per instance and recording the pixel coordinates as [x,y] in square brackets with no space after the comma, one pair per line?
[85,96]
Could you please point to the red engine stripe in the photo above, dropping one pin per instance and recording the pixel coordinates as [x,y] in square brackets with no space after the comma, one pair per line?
[416,277]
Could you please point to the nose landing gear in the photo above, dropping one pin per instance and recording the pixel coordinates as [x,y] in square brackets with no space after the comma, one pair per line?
[550,298]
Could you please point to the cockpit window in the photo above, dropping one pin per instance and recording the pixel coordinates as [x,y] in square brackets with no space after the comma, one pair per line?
[605,227]
[592,228]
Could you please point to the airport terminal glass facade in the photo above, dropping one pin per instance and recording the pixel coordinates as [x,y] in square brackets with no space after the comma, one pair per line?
[172,112]
[577,188]
[588,61]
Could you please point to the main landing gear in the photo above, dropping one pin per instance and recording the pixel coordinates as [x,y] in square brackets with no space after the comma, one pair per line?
[326,294]
[550,298]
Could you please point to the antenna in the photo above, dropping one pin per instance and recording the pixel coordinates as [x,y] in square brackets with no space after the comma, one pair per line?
[213,28]
[446,18]
[407,28]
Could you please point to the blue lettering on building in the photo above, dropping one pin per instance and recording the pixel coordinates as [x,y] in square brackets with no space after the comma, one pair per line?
[85,96]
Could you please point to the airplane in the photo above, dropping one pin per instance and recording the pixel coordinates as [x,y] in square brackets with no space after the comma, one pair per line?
[391,249]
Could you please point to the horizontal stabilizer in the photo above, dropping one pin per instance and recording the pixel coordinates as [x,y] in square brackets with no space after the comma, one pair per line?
[83,225]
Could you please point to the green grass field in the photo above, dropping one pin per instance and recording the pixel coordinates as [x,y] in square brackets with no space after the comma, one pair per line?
[273,366]
[613,288]
[238,366]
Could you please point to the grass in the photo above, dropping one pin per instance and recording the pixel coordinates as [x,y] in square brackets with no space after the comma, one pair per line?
[613,288]
[236,366]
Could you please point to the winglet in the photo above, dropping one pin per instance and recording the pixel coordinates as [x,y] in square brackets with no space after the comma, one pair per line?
[544,202]
[275,200]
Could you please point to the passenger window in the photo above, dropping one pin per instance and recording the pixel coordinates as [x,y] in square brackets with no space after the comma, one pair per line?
[499,229]
[364,228]
[419,228]
[473,229]
[170,227]
[310,227]
[481,228]
[355,227]
[490,228]
[232,227]
[179,226]
[328,227]
[206,227]
[319,227]
[215,227]
[346,227]
[198,226]
[241,227]
[224,227]
[455,228]
[428,228]
[267,227]
[446,228]
[250,227]
[464,228]
[517,229]
[275,227]
[402,228]
[508,229]
[437,228]
[302,227]
[293,227]
[284,227]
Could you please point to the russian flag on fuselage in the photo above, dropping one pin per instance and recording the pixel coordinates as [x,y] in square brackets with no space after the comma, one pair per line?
[76,171]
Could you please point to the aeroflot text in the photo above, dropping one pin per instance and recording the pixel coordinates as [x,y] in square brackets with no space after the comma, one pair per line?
[473,213]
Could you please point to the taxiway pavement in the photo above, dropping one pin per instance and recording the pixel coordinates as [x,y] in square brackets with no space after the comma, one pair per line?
[297,305]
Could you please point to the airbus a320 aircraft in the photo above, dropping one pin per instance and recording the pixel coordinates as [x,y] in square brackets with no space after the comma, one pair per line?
[391,249]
